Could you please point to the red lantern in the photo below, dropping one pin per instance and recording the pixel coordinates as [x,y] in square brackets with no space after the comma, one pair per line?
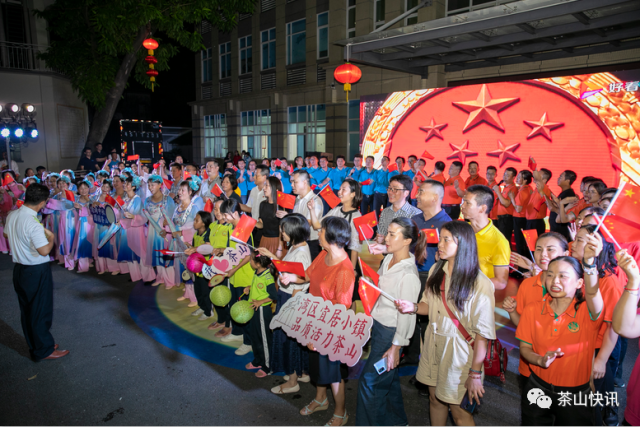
[152,73]
[150,45]
[347,74]
[151,60]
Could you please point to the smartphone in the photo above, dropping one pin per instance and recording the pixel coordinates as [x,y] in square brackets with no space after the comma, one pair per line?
[381,365]
[468,405]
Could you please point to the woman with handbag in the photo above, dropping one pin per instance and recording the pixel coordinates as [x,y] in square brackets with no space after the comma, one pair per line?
[459,300]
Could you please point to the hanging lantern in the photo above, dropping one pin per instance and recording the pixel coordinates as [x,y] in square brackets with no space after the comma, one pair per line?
[347,74]
[151,45]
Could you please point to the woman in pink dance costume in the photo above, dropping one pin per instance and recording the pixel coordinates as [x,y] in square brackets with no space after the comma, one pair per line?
[83,242]
[158,237]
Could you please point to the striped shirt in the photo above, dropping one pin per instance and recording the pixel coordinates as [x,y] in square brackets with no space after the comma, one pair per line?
[388,215]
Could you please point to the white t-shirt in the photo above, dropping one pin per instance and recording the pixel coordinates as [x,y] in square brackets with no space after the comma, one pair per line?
[302,208]
[26,234]
[14,166]
[256,197]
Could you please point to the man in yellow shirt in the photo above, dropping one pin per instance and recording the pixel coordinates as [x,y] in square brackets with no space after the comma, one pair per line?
[494,251]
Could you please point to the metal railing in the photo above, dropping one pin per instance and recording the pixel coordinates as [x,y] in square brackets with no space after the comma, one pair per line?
[20,56]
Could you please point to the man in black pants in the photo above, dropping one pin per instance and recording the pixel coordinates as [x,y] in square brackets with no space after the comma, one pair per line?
[32,280]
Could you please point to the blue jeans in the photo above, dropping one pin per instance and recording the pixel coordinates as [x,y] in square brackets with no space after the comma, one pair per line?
[379,396]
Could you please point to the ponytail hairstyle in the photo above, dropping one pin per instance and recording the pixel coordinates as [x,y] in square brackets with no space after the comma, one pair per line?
[465,265]
[264,262]
[577,268]
[206,218]
[418,238]
[606,261]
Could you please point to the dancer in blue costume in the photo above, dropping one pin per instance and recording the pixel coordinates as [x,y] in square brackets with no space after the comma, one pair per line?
[105,256]
[157,236]
[66,230]
[83,242]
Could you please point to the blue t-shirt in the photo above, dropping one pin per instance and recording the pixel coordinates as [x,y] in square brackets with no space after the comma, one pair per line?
[318,175]
[284,177]
[365,175]
[337,177]
[433,223]
[382,181]
[250,184]
[243,186]
[354,173]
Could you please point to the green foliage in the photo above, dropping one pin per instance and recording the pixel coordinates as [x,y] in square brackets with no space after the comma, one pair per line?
[91,38]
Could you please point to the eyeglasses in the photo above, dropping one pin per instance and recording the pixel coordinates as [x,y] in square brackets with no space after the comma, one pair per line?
[395,190]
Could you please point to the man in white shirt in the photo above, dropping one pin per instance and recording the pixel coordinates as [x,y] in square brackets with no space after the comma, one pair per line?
[32,280]
[301,185]
[213,174]
[4,164]
[256,196]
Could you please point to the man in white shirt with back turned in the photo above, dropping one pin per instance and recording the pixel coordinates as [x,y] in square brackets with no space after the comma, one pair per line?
[32,280]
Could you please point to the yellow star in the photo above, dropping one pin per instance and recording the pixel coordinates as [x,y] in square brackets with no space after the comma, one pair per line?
[629,193]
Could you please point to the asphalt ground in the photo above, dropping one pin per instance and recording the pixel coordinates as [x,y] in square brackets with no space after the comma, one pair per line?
[118,375]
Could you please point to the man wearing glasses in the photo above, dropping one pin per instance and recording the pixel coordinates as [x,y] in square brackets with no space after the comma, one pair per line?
[399,189]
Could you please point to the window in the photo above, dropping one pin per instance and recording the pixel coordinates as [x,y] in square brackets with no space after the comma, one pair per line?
[296,42]
[459,6]
[413,18]
[353,129]
[207,71]
[246,59]
[255,130]
[351,19]
[307,126]
[268,48]
[323,35]
[215,135]
[378,13]
[225,60]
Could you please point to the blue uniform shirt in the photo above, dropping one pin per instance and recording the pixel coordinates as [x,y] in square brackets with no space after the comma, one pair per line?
[382,181]
[318,175]
[356,173]
[285,178]
[250,184]
[243,186]
[365,175]
[337,177]
[436,222]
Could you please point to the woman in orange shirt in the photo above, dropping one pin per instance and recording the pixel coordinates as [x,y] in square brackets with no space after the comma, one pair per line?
[557,337]
[549,246]
[331,277]
[520,202]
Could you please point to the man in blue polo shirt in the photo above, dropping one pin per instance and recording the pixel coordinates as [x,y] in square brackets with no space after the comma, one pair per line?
[338,174]
[284,175]
[354,172]
[380,198]
[368,173]
[320,177]
[312,169]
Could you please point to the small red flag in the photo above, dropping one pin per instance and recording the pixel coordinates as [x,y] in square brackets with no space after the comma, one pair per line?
[531,236]
[328,196]
[368,271]
[156,165]
[427,155]
[167,183]
[532,164]
[365,224]
[69,195]
[289,267]
[627,204]
[244,228]
[433,235]
[110,200]
[131,158]
[19,203]
[208,206]
[8,179]
[216,190]
[291,169]
[393,167]
[368,294]
[278,163]
[623,230]
[186,175]
[367,182]
[286,201]
[120,201]
[96,183]
[205,175]
[313,187]
[235,169]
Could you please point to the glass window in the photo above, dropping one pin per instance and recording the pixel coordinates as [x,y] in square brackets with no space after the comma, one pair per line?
[268,48]
[351,19]
[246,60]
[460,6]
[255,132]
[323,35]
[225,60]
[207,72]
[378,13]
[413,18]
[296,42]
[307,128]
[215,135]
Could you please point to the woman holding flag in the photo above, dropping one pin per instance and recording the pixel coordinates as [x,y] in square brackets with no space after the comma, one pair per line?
[379,395]
[157,236]
[268,222]
[459,300]
[105,256]
[83,243]
[66,227]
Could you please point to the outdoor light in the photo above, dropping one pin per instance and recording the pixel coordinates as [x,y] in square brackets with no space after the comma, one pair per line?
[150,44]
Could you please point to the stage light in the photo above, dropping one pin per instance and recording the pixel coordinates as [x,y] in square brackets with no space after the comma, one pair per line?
[5,132]
[32,131]
[18,132]
[28,108]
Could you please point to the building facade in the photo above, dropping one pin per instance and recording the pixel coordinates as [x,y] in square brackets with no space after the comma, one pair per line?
[267,87]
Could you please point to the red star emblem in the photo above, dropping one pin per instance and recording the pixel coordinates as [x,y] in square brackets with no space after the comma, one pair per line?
[505,153]
[433,129]
[461,152]
[427,155]
[542,127]
[485,109]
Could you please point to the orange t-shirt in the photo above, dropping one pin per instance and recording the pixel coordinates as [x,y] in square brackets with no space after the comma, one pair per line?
[537,207]
[577,208]
[522,199]
[439,177]
[333,283]
[611,291]
[477,181]
[450,194]
[502,210]
[494,211]
[530,290]
[573,332]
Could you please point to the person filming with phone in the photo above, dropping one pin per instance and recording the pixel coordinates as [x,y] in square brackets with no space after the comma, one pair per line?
[379,395]
[459,300]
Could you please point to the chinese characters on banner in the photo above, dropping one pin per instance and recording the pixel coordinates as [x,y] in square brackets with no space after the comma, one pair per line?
[99,215]
[624,87]
[225,262]
[333,330]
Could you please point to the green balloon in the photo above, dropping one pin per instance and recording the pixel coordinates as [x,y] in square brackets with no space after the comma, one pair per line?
[220,296]
[242,311]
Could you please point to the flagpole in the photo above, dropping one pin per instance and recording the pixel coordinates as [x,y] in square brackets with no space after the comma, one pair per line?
[604,227]
[386,295]
[365,238]
[525,240]
[242,243]
[316,195]
[615,197]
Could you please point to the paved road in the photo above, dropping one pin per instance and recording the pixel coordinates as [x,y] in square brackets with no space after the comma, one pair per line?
[118,375]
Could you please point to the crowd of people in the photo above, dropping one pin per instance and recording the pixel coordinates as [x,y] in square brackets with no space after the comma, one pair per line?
[574,311]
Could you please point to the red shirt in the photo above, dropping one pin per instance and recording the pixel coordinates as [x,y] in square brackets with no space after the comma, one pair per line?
[522,199]
[611,291]
[478,180]
[333,283]
[530,290]
[537,207]
[494,211]
[439,177]
[502,210]
[450,194]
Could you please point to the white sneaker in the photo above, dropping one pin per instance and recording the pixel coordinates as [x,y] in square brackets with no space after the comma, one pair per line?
[204,317]
[198,312]
[303,379]
[231,338]
[243,349]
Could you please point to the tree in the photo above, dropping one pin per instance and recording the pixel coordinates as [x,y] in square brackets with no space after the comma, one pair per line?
[97,44]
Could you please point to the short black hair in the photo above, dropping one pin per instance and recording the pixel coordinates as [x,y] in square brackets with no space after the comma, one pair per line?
[404,180]
[483,196]
[40,168]
[440,165]
[513,171]
[473,162]
[371,157]
[176,165]
[296,227]
[336,231]
[340,157]
[527,176]
[414,156]
[401,158]
[85,149]
[357,156]
[570,176]
[457,164]
[36,194]
[546,173]
[262,169]
[492,168]
[304,174]
[232,180]
[324,157]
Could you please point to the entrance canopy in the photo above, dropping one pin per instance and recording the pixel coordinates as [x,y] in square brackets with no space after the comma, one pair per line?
[511,33]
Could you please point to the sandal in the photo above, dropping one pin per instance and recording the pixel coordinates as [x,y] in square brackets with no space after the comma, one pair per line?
[215,325]
[322,407]
[261,374]
[344,419]
[250,366]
